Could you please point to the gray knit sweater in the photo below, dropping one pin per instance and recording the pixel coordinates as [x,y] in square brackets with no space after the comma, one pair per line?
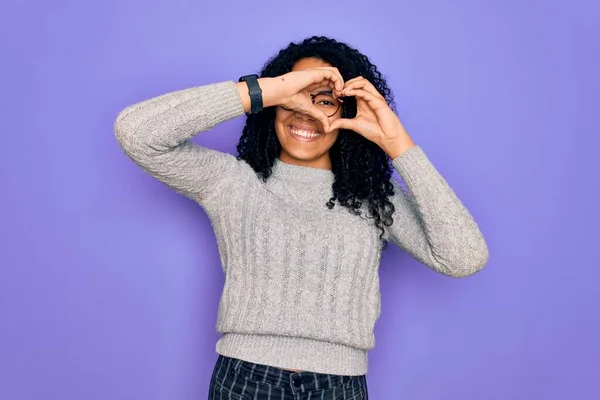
[301,281]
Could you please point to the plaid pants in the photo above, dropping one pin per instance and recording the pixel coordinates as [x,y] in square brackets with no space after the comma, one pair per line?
[234,379]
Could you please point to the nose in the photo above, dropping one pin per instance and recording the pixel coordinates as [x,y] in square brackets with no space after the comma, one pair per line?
[304,117]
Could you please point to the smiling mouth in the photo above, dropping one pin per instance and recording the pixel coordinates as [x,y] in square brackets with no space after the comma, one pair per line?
[304,135]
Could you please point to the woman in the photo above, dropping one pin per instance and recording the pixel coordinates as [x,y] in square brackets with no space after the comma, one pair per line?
[302,214]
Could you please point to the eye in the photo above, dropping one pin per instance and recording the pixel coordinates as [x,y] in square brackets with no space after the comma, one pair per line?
[327,103]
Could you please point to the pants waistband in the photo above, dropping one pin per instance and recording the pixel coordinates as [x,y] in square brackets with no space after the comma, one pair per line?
[298,381]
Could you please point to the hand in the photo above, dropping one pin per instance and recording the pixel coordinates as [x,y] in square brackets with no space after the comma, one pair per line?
[292,91]
[374,120]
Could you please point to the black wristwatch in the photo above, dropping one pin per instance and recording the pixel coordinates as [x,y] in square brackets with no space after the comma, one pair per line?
[256,101]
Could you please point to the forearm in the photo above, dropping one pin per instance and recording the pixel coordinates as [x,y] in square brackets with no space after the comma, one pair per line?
[441,233]
[165,121]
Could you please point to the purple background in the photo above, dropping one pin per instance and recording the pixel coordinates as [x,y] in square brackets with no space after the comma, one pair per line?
[109,282]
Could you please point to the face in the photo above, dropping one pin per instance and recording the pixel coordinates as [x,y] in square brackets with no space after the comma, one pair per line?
[301,136]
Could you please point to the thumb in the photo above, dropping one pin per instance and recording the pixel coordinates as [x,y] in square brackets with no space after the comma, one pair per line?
[319,116]
[342,123]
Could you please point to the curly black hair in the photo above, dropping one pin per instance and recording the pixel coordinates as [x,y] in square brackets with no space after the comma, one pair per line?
[361,168]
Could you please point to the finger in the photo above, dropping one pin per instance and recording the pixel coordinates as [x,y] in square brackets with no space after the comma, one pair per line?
[334,70]
[331,74]
[327,84]
[337,72]
[320,116]
[337,80]
[363,94]
[358,78]
[362,84]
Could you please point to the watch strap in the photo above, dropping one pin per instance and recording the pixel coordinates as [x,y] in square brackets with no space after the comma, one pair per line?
[255,92]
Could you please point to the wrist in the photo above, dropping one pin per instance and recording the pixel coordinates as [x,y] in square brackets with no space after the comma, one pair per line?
[271,93]
[397,147]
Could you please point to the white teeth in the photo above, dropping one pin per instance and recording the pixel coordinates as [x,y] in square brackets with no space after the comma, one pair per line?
[305,134]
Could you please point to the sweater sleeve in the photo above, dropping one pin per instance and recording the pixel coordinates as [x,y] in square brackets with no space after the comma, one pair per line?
[155,134]
[430,222]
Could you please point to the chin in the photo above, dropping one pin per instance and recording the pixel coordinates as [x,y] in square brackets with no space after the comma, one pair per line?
[303,156]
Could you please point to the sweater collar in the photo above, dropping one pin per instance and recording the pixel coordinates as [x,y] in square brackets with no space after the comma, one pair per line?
[305,176]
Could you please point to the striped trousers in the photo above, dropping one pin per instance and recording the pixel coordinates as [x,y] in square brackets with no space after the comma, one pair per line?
[234,379]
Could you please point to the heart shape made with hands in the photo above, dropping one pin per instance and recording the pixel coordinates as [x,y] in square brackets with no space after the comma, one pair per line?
[374,119]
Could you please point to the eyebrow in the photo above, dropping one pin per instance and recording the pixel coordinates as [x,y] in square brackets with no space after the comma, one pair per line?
[325,92]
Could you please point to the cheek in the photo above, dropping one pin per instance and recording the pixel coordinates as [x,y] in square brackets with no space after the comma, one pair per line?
[332,137]
[281,116]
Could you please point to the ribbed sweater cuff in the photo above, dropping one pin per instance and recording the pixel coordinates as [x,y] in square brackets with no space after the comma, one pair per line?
[225,99]
[232,107]
[414,166]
